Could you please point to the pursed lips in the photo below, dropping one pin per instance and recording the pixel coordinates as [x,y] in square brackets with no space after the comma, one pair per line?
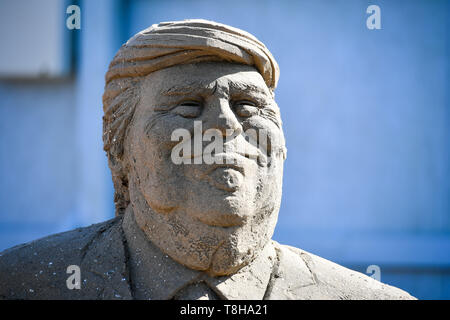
[232,160]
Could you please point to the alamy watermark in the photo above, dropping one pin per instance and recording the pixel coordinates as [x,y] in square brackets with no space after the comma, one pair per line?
[74,20]
[251,143]
[374,272]
[74,280]
[374,20]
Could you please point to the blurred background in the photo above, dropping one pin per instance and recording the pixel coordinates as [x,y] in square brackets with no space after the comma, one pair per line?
[366,116]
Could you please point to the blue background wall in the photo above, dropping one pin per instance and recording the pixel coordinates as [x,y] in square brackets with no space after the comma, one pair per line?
[366,115]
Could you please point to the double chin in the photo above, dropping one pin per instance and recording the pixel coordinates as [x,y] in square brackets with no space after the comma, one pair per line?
[201,246]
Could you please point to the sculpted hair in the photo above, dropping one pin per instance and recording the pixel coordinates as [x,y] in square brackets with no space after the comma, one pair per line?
[119,103]
[163,46]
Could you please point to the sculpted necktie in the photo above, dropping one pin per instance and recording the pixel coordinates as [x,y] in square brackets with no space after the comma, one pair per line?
[196,291]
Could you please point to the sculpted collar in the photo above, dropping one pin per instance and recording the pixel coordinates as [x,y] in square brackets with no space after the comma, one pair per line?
[154,275]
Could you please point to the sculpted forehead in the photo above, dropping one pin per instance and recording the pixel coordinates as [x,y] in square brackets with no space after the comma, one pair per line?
[183,79]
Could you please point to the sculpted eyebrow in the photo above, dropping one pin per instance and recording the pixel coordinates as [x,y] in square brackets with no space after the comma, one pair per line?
[209,89]
[194,88]
[236,87]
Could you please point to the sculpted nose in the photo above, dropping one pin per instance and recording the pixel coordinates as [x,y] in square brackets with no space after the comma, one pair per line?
[222,118]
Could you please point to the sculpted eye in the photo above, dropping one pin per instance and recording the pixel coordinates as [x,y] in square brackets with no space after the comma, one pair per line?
[189,109]
[245,108]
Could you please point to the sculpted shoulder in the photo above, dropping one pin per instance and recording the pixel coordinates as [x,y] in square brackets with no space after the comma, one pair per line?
[302,275]
[37,269]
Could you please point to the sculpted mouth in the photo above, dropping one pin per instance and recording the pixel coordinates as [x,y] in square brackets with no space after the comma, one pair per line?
[228,157]
[225,177]
[229,175]
[232,162]
[228,170]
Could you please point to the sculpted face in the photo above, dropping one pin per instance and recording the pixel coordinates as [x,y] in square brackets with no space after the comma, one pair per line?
[213,217]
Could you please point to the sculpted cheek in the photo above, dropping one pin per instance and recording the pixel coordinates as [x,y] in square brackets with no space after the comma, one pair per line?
[153,171]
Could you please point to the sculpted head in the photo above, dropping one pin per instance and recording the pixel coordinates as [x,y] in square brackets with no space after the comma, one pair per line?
[214,83]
